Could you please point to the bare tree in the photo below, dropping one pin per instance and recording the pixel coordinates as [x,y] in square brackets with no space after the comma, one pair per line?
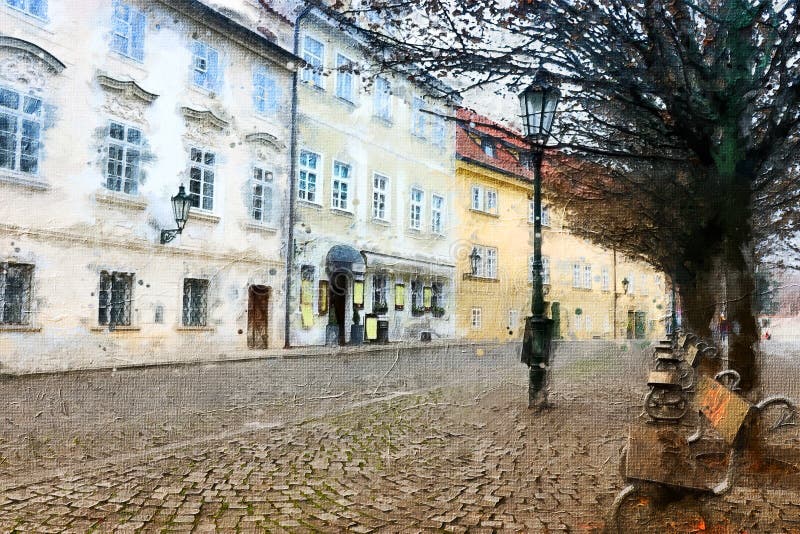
[678,135]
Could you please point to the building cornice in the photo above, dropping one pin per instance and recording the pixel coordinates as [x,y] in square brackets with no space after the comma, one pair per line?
[53,63]
[128,87]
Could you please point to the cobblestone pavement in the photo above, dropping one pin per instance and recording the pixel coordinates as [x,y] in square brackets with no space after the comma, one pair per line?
[464,457]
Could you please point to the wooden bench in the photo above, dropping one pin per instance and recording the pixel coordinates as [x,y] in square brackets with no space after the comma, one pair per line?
[661,456]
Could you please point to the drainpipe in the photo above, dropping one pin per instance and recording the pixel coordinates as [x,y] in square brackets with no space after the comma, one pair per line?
[614,276]
[292,181]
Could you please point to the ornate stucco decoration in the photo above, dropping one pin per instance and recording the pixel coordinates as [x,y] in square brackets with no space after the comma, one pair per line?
[25,63]
[128,88]
[203,123]
[265,140]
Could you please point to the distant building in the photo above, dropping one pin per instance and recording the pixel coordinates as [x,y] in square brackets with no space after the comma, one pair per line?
[374,222]
[590,292]
[106,107]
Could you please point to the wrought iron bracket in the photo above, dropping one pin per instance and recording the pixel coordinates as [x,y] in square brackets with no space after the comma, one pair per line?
[169,235]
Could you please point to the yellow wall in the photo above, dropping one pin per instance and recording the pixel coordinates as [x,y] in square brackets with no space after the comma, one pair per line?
[505,301]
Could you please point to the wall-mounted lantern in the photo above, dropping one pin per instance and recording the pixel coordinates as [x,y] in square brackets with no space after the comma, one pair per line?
[180,208]
[625,284]
[474,260]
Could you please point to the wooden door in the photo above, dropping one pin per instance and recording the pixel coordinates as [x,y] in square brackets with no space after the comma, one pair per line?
[258,317]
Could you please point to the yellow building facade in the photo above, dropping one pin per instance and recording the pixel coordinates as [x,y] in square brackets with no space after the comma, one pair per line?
[590,292]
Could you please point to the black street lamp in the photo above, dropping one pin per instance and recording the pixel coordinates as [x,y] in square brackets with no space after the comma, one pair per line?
[180,208]
[538,103]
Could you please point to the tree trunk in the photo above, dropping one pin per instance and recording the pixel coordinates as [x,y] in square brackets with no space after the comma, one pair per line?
[718,302]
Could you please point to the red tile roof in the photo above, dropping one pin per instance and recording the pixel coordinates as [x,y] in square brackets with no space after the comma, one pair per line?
[471,131]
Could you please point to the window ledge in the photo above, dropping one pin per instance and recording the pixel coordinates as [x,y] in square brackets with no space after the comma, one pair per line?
[33,20]
[343,213]
[388,122]
[195,328]
[22,180]
[205,216]
[124,200]
[381,222]
[309,203]
[260,227]
[103,328]
[349,103]
[487,213]
[19,328]
[468,276]
[311,85]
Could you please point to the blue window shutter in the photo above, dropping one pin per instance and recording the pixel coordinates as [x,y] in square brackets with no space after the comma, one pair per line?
[137,38]
[214,71]
[258,87]
[272,94]
[198,51]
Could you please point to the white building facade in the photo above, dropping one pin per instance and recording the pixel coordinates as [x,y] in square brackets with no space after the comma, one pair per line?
[373,195]
[106,107]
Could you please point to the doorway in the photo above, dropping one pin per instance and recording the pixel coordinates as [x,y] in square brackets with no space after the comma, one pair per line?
[629,327]
[640,325]
[258,317]
[555,315]
[338,300]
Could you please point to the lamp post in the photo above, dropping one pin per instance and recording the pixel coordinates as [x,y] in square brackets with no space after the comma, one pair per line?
[538,103]
[180,208]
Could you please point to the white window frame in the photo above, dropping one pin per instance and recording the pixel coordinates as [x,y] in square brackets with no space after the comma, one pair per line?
[545,215]
[27,7]
[513,319]
[262,204]
[21,118]
[206,170]
[380,195]
[587,276]
[437,214]
[416,207]
[340,186]
[194,290]
[578,322]
[345,79]
[316,63]
[476,319]
[487,146]
[481,199]
[546,270]
[438,130]
[418,118]
[128,172]
[24,297]
[123,307]
[631,284]
[492,261]
[587,322]
[125,21]
[266,95]
[382,99]
[577,276]
[202,64]
[308,171]
[606,279]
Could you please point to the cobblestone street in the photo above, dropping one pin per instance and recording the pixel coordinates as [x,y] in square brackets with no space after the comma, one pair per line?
[460,455]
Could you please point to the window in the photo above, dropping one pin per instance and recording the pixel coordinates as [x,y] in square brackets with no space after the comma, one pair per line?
[643,285]
[484,199]
[313,54]
[576,275]
[382,103]
[265,91]
[380,185]
[631,284]
[309,166]
[124,158]
[418,117]
[578,326]
[545,215]
[116,295]
[261,195]
[587,276]
[15,293]
[344,78]
[20,127]
[587,322]
[340,192]
[195,302]
[437,214]
[545,269]
[127,31]
[205,66]
[201,178]
[380,286]
[417,307]
[488,147]
[437,299]
[416,208]
[476,318]
[606,278]
[531,214]
[37,8]
[399,296]
[487,262]
[438,130]
[513,318]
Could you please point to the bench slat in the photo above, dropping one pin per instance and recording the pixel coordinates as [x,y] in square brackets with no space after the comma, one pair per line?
[724,410]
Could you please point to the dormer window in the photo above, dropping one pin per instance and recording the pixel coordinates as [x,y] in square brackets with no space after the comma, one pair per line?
[488,147]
